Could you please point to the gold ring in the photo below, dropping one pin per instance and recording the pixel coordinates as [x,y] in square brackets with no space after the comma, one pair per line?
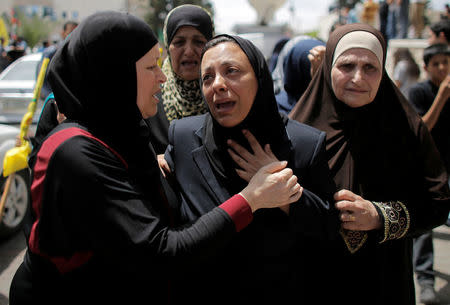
[351,217]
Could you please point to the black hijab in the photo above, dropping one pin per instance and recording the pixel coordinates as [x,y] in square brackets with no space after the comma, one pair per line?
[93,76]
[263,120]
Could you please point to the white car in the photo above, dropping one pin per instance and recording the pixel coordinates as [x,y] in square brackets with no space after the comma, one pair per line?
[17,84]
[16,87]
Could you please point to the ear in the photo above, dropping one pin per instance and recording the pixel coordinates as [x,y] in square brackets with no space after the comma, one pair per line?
[425,68]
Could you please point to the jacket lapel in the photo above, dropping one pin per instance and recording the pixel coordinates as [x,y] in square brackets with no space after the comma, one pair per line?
[204,167]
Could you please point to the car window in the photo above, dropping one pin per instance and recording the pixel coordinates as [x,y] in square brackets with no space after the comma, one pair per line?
[25,70]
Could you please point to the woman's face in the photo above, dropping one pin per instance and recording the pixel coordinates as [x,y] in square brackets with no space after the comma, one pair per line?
[229,83]
[185,50]
[356,77]
[149,78]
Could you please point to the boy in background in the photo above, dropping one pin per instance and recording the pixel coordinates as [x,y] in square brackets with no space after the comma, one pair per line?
[430,99]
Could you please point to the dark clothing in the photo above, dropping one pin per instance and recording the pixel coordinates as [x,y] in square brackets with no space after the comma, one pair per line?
[421,96]
[297,74]
[383,152]
[276,259]
[423,259]
[102,229]
[159,129]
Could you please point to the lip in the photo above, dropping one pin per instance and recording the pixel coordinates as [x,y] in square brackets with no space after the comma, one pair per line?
[189,63]
[224,106]
[357,91]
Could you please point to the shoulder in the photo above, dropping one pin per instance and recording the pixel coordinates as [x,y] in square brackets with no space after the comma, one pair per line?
[187,124]
[79,152]
[302,130]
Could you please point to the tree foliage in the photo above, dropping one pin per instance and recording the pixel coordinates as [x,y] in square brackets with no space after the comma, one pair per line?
[160,8]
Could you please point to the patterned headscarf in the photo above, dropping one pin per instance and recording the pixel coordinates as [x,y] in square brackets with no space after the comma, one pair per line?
[181,97]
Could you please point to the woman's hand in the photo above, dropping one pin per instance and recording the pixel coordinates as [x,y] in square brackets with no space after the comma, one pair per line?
[315,57]
[250,163]
[356,213]
[163,165]
[272,186]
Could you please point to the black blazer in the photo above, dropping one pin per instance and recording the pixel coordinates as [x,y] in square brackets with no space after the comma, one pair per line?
[275,251]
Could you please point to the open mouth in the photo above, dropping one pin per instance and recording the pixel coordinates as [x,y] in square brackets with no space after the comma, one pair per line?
[189,63]
[225,106]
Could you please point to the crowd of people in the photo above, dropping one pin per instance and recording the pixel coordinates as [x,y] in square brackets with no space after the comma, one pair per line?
[222,177]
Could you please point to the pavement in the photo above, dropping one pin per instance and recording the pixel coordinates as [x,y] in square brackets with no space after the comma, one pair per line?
[12,251]
[441,242]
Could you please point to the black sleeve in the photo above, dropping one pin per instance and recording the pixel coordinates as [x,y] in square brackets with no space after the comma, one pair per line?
[100,208]
[159,128]
[416,97]
[314,214]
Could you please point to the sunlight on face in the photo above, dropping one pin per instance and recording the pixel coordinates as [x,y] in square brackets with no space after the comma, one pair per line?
[185,50]
[229,83]
[149,78]
[356,77]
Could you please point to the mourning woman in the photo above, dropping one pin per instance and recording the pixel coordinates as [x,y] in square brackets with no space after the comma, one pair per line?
[391,180]
[186,30]
[279,256]
[101,230]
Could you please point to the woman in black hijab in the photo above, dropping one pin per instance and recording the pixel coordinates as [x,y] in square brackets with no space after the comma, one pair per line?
[392,182]
[100,233]
[270,262]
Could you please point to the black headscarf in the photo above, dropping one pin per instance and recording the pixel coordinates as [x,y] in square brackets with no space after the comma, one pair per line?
[187,15]
[263,120]
[93,76]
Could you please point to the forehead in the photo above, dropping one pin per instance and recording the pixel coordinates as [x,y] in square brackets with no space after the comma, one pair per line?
[439,57]
[358,54]
[187,30]
[223,53]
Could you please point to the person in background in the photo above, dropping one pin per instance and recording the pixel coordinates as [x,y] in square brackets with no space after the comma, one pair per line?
[67,28]
[297,73]
[278,72]
[282,255]
[430,99]
[369,12]
[439,32]
[392,182]
[406,70]
[103,231]
[383,12]
[186,30]
[417,12]
[275,52]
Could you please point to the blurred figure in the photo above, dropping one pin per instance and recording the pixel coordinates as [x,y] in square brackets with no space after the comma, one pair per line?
[398,19]
[439,32]
[417,11]
[275,52]
[297,74]
[383,13]
[430,99]
[278,72]
[67,28]
[369,12]
[406,70]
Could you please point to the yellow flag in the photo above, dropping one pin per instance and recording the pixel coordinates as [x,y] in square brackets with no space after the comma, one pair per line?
[4,32]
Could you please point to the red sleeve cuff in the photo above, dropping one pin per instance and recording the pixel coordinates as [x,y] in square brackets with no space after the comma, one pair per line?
[239,211]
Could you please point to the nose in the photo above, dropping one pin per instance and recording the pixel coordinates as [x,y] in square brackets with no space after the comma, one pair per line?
[162,78]
[357,75]
[219,84]
[189,49]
